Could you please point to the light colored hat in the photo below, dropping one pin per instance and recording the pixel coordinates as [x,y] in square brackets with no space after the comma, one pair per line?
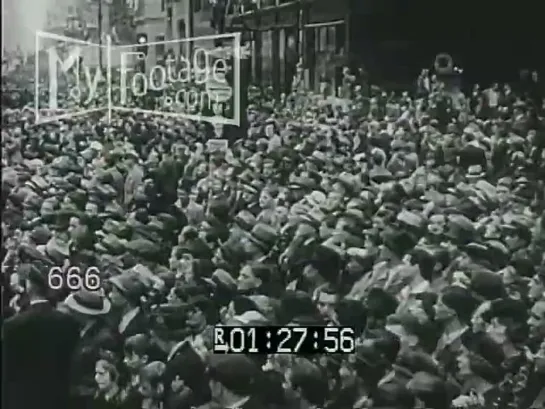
[88,303]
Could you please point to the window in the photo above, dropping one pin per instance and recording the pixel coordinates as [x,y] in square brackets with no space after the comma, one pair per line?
[163,5]
[181,28]
[322,39]
[181,34]
[340,37]
[197,6]
[169,13]
[160,48]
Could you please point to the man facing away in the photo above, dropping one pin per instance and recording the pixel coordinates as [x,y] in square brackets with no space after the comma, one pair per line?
[38,345]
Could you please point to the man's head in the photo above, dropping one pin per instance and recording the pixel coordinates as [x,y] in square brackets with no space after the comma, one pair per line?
[231,376]
[326,300]
[307,381]
[137,352]
[152,380]
[536,321]
[252,277]
[35,281]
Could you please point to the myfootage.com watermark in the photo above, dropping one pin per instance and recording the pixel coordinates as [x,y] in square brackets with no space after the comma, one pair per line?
[190,85]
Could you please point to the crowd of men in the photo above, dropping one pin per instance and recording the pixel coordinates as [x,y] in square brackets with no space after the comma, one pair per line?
[415,218]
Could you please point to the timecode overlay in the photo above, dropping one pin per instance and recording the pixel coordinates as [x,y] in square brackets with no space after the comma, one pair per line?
[74,278]
[284,340]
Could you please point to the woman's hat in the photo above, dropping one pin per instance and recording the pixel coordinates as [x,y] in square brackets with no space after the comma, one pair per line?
[88,303]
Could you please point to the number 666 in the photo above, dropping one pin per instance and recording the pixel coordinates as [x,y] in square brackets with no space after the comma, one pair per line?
[73,279]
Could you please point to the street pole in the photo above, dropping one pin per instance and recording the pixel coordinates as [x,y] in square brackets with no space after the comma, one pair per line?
[99,27]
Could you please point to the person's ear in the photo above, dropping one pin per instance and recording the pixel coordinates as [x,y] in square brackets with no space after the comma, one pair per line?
[160,389]
[145,359]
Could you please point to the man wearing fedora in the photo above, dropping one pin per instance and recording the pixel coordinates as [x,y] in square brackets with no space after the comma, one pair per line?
[39,344]
[95,334]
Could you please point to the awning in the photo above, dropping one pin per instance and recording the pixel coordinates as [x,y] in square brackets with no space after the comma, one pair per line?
[322,11]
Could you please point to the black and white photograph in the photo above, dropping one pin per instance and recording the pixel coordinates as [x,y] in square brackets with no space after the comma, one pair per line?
[273,204]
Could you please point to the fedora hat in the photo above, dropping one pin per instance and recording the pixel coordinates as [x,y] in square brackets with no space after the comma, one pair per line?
[263,236]
[57,249]
[129,284]
[475,171]
[88,303]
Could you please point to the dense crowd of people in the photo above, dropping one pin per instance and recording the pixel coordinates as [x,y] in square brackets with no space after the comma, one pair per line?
[416,218]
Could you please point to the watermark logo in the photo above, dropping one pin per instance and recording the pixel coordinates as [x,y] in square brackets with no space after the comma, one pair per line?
[200,82]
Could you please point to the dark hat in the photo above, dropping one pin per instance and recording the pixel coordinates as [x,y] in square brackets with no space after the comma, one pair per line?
[168,220]
[302,182]
[201,301]
[386,342]
[197,248]
[237,373]
[263,236]
[459,299]
[460,228]
[424,384]
[508,308]
[138,343]
[477,250]
[221,278]
[264,305]
[297,305]
[143,248]
[488,285]
[34,275]
[416,361]
[363,256]
[368,356]
[318,157]
[327,261]
[379,174]
[312,380]
[30,254]
[483,345]
[187,364]
[88,303]
[218,206]
[56,249]
[111,244]
[410,220]
[117,228]
[250,318]
[129,285]
[154,371]
[392,394]
[498,250]
[245,219]
[379,303]
[351,313]
[103,191]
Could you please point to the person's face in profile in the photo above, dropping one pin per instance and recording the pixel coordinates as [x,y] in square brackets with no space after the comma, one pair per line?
[103,376]
[117,298]
[247,279]
[442,312]
[463,363]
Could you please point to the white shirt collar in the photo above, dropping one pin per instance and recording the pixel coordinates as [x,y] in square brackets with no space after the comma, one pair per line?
[34,302]
[127,318]
[238,404]
[86,328]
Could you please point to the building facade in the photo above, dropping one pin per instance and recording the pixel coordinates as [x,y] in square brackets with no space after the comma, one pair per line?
[312,34]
